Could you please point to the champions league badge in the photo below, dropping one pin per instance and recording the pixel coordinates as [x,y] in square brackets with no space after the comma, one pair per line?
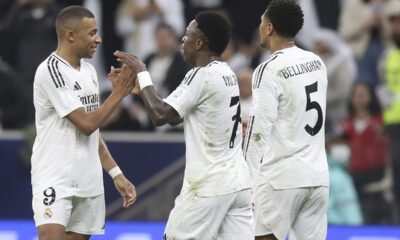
[48,213]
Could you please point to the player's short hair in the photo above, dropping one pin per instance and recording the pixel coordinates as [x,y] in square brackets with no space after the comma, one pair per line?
[71,15]
[286,16]
[215,28]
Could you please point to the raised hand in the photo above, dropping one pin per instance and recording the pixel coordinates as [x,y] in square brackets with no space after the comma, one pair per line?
[113,74]
[126,189]
[122,80]
[130,60]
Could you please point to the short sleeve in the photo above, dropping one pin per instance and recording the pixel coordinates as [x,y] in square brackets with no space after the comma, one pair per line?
[55,86]
[188,94]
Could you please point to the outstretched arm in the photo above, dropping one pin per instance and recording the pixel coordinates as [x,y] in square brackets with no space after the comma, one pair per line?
[160,112]
[123,185]
[88,122]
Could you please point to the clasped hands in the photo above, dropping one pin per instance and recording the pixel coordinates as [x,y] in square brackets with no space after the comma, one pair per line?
[127,74]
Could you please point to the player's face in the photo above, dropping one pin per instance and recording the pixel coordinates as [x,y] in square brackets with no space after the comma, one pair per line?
[189,42]
[87,38]
[361,97]
[264,29]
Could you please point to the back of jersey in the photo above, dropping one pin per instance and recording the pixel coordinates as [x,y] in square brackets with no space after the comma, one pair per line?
[289,93]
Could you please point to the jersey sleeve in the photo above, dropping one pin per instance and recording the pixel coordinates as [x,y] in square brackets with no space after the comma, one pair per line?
[188,94]
[263,114]
[58,91]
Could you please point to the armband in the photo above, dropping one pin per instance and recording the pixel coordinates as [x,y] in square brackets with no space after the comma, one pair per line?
[144,79]
[115,171]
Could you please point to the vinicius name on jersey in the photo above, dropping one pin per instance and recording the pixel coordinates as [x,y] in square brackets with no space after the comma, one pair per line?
[91,102]
[301,68]
[230,80]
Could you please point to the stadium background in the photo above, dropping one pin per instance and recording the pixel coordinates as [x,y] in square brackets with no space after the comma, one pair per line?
[154,158]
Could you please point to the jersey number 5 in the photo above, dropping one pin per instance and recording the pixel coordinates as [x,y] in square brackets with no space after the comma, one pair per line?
[236,118]
[313,105]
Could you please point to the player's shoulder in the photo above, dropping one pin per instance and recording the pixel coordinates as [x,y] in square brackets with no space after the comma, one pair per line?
[287,57]
[218,69]
[267,67]
[52,63]
[192,74]
[52,69]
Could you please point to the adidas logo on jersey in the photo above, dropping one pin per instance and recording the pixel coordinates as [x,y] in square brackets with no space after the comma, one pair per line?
[77,86]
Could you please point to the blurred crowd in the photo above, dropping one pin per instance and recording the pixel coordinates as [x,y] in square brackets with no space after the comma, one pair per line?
[358,40]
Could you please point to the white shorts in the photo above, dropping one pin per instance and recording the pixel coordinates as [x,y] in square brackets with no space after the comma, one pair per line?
[84,215]
[227,216]
[302,211]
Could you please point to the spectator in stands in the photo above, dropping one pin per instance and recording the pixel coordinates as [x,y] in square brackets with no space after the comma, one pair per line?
[30,37]
[344,207]
[167,68]
[364,27]
[369,146]
[342,72]
[138,19]
[391,103]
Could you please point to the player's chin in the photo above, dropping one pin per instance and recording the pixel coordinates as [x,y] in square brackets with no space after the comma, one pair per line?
[90,54]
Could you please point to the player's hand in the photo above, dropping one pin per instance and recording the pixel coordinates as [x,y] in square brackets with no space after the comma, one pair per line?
[113,74]
[130,60]
[126,189]
[122,80]
[136,88]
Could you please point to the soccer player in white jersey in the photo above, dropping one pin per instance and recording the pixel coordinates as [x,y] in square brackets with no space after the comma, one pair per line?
[285,142]
[69,152]
[215,201]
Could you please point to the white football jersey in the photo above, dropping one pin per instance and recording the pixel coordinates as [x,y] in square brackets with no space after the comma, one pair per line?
[285,140]
[62,155]
[208,100]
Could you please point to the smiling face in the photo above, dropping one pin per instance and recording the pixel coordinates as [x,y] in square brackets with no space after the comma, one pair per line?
[86,38]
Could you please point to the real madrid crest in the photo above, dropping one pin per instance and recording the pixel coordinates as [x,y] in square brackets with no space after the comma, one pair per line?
[48,213]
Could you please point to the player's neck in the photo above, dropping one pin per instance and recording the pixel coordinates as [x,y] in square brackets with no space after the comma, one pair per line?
[69,56]
[281,43]
[204,59]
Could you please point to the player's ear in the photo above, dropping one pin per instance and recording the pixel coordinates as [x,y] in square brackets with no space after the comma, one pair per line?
[70,36]
[200,44]
[269,28]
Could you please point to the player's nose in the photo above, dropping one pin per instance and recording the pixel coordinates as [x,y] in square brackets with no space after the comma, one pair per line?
[98,39]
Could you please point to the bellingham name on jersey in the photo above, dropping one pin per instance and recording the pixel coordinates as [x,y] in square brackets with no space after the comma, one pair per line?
[301,68]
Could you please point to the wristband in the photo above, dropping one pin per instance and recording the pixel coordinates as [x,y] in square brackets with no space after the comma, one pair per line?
[144,79]
[115,171]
